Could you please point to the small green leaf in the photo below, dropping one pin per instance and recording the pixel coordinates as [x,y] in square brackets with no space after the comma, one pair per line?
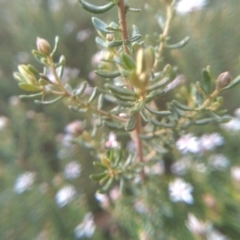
[135,38]
[121,90]
[33,69]
[203,121]
[220,119]
[207,81]
[38,54]
[128,62]
[31,95]
[179,44]
[48,102]
[135,34]
[134,9]
[100,25]
[80,90]
[100,165]
[93,95]
[107,186]
[18,76]
[158,113]
[144,115]
[116,43]
[60,69]
[107,74]
[114,27]
[101,42]
[160,84]
[96,9]
[100,101]
[154,94]
[28,87]
[182,106]
[62,60]
[98,176]
[209,70]
[131,123]
[56,44]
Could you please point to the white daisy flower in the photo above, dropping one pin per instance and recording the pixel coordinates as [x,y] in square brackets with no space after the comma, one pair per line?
[180,190]
[65,195]
[211,141]
[72,170]
[188,143]
[219,161]
[86,228]
[24,182]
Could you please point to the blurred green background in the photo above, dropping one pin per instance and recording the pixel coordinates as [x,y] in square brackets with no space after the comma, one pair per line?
[31,136]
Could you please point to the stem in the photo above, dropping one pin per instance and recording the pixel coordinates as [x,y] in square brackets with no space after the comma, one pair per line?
[164,35]
[122,12]
[53,70]
[70,95]
[210,99]
[138,131]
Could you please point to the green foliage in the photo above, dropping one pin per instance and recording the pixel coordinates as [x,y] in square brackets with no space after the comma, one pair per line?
[161,152]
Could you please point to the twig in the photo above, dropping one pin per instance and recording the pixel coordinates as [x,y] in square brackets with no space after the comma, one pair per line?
[122,11]
[164,35]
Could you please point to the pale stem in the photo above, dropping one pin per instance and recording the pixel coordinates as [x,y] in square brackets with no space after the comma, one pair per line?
[68,94]
[164,35]
[122,11]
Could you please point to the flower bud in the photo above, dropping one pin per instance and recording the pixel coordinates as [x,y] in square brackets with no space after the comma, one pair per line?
[43,46]
[223,80]
[110,37]
[27,74]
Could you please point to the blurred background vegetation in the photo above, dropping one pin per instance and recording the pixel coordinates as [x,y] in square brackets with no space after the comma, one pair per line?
[31,138]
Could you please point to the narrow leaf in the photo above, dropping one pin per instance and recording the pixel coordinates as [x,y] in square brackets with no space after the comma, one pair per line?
[107,74]
[128,62]
[158,113]
[131,123]
[28,87]
[100,25]
[116,43]
[48,102]
[93,95]
[179,44]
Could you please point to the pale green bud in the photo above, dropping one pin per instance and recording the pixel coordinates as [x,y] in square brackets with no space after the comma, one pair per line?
[43,46]
[27,74]
[144,64]
[223,80]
